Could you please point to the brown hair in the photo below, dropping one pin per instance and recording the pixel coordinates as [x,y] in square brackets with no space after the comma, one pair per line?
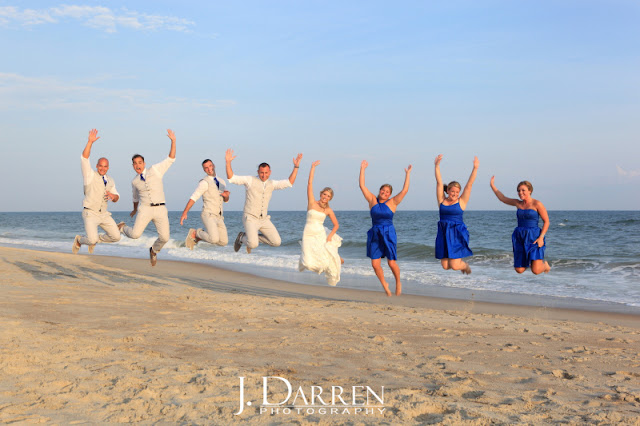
[388,185]
[525,183]
[329,190]
[452,184]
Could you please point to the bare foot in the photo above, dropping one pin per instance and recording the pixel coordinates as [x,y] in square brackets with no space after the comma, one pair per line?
[547,267]
[466,270]
[341,261]
[398,288]
[385,286]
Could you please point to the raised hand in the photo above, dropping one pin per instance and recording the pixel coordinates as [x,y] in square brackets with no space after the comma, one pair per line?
[228,156]
[476,162]
[296,161]
[171,135]
[438,160]
[315,163]
[93,136]
[364,164]
[408,169]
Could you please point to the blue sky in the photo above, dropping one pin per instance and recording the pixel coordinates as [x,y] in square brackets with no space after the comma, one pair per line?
[547,91]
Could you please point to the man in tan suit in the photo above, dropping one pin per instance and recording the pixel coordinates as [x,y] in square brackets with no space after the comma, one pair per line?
[213,191]
[99,188]
[256,221]
[149,201]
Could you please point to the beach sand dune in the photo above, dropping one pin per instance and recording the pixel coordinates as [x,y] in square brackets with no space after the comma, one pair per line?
[104,339]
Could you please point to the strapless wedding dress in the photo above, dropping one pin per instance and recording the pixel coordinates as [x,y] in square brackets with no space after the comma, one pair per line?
[318,254]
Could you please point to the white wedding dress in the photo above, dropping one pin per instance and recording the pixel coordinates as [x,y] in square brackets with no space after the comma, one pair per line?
[318,254]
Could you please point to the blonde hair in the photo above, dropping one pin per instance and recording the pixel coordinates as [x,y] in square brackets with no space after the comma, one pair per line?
[525,183]
[452,184]
[329,190]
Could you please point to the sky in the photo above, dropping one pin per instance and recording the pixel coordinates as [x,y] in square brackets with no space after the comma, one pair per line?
[547,91]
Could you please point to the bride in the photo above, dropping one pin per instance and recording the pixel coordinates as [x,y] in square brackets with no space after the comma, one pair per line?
[319,245]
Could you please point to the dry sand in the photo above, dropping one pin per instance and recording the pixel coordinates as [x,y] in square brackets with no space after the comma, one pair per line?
[102,339]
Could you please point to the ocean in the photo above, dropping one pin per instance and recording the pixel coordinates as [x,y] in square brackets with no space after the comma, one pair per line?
[594,255]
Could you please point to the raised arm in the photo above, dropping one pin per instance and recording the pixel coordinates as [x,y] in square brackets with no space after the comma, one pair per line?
[466,193]
[500,195]
[439,184]
[371,199]
[296,166]
[405,188]
[172,136]
[542,211]
[310,197]
[228,158]
[93,136]
[334,220]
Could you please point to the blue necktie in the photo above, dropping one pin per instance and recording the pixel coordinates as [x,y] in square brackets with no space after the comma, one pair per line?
[217,183]
[104,180]
[142,178]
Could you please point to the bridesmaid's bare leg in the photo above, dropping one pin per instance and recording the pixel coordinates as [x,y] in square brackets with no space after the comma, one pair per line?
[396,274]
[377,267]
[460,265]
[540,266]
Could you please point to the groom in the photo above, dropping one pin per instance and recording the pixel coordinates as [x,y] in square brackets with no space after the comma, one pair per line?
[256,221]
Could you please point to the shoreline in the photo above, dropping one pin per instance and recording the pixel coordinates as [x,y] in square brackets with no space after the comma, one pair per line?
[264,285]
[445,296]
[102,339]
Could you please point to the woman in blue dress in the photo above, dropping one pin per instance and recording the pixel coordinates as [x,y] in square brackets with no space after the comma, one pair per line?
[527,238]
[452,241]
[381,238]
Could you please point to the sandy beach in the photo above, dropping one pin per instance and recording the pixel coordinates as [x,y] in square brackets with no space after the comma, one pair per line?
[105,339]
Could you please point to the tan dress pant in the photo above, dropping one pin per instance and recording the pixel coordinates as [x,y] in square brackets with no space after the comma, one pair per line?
[216,230]
[259,229]
[160,218]
[104,220]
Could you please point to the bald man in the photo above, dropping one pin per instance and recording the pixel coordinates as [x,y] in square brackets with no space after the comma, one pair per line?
[99,188]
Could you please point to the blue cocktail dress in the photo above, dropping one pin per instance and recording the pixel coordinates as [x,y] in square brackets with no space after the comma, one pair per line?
[381,238]
[452,241]
[524,250]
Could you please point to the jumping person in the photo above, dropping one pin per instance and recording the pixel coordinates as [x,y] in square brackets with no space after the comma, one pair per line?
[99,188]
[381,238]
[527,239]
[149,200]
[256,221]
[213,191]
[452,240]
